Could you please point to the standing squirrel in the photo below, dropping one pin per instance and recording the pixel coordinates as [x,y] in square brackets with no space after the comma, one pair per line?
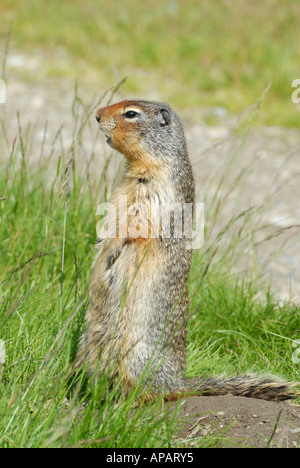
[137,315]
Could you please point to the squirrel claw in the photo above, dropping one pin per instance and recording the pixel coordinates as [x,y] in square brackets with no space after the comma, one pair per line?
[111,259]
[114,255]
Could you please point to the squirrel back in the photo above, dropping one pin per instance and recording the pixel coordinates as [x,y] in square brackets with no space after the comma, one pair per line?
[137,315]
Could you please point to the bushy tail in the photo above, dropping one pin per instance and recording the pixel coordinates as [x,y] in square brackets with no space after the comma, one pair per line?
[251,386]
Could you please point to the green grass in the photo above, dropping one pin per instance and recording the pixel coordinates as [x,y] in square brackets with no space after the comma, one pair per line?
[191,53]
[47,234]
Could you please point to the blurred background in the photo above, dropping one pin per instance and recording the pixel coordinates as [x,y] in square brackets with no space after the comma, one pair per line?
[224,66]
[215,55]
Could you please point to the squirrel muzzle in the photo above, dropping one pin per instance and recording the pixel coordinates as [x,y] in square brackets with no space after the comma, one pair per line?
[106,125]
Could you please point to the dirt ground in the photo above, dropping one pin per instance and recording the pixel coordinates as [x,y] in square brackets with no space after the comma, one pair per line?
[270,158]
[240,422]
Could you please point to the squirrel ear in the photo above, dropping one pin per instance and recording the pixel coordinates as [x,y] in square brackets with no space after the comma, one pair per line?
[164,117]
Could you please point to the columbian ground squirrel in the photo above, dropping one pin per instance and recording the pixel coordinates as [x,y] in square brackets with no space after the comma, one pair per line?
[137,315]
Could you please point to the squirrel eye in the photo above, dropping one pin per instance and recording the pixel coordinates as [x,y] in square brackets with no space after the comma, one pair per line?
[130,114]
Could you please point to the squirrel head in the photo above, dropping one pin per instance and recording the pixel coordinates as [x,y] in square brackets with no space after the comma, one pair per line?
[143,131]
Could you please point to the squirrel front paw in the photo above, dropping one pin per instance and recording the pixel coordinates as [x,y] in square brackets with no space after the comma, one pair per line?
[115,254]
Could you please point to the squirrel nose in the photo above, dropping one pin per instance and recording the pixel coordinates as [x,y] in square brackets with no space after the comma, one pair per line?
[98,118]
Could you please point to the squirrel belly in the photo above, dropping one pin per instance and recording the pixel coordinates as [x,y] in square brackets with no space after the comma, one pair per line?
[136,321]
